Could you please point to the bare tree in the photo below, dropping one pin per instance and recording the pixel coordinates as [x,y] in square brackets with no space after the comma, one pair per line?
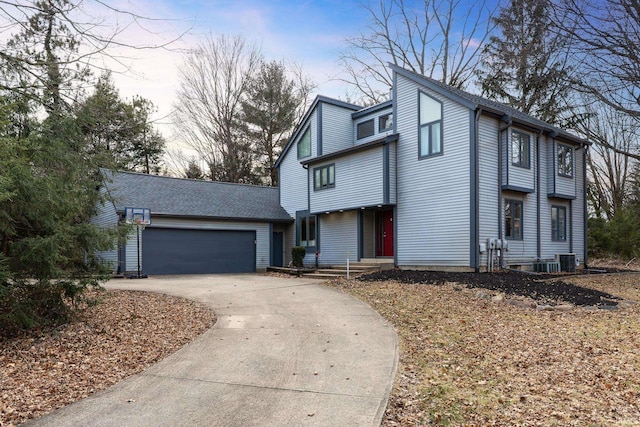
[608,32]
[526,65]
[214,81]
[615,135]
[440,39]
[48,47]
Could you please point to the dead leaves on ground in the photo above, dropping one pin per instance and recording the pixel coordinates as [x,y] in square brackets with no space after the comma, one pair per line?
[466,360]
[118,337]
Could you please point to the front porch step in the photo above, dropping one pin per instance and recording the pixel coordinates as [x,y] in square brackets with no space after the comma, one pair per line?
[355,268]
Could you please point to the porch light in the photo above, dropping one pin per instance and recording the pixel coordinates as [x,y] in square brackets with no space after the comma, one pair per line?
[327,213]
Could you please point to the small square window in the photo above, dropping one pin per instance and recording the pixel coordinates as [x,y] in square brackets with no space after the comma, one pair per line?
[365,129]
[385,122]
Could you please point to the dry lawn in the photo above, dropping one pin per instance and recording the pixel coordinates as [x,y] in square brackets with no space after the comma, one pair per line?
[118,337]
[471,361]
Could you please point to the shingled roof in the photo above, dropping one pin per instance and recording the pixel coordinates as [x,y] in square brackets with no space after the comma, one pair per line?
[475,101]
[179,197]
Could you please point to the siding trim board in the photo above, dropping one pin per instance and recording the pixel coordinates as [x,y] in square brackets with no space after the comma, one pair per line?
[385,174]
[221,218]
[518,189]
[561,196]
[319,131]
[474,200]
[356,148]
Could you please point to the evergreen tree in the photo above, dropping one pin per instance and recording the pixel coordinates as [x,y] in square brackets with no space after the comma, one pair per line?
[270,110]
[117,133]
[525,64]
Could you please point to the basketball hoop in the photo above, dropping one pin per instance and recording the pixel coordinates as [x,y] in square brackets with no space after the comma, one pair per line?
[141,217]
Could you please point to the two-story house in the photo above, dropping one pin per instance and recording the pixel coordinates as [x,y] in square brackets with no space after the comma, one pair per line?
[435,178]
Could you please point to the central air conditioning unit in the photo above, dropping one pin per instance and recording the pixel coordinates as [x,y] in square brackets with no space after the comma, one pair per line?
[567,262]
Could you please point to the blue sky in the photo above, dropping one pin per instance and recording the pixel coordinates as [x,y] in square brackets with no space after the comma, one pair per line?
[311,33]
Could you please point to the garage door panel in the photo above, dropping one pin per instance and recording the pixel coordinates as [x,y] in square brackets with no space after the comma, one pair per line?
[180,251]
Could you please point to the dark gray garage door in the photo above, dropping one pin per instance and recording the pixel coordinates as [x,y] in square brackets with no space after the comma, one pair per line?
[178,251]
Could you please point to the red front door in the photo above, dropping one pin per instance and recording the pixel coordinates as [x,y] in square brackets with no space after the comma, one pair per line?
[385,233]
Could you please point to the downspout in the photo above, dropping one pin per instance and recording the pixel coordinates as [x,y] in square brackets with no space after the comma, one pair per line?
[509,122]
[475,193]
[584,204]
[538,235]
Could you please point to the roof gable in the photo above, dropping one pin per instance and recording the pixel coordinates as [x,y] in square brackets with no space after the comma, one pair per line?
[473,102]
[319,99]
[179,197]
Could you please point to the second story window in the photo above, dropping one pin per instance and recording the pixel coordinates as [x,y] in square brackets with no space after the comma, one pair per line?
[385,122]
[565,160]
[324,177]
[520,148]
[304,145]
[430,126]
[365,129]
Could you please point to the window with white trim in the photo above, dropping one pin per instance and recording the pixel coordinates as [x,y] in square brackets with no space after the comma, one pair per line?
[430,137]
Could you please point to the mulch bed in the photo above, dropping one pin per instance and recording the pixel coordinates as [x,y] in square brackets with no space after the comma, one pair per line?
[541,288]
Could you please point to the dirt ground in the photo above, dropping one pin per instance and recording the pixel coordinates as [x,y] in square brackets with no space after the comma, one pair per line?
[509,349]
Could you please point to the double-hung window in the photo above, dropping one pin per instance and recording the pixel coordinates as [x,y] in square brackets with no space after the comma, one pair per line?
[306,229]
[324,177]
[365,129]
[430,138]
[520,149]
[304,145]
[513,219]
[558,223]
[565,160]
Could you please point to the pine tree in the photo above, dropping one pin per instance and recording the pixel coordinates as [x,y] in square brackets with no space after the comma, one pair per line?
[525,64]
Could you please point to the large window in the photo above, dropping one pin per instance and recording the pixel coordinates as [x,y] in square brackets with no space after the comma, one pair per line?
[520,148]
[565,160]
[306,230]
[366,129]
[513,219]
[430,126]
[558,223]
[304,145]
[385,122]
[324,177]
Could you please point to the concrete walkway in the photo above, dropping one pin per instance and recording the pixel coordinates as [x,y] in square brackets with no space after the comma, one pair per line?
[284,352]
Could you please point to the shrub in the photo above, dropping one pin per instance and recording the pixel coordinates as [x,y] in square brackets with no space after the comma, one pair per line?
[298,253]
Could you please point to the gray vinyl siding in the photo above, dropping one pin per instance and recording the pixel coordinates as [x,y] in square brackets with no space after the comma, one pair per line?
[263,237]
[339,236]
[368,235]
[488,181]
[562,185]
[131,252]
[433,193]
[358,182]
[393,167]
[336,128]
[516,176]
[106,216]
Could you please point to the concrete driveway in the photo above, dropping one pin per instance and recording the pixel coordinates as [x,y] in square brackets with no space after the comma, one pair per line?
[284,351]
